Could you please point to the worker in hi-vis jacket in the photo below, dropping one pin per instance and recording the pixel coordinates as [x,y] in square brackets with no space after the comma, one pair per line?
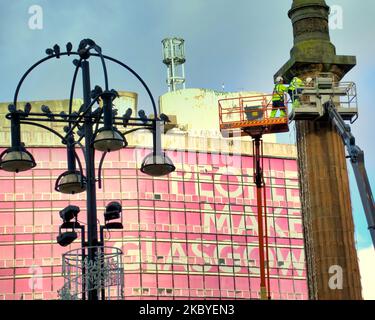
[278,98]
[295,90]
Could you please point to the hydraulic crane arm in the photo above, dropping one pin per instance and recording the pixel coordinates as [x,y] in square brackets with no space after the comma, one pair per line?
[357,160]
[365,192]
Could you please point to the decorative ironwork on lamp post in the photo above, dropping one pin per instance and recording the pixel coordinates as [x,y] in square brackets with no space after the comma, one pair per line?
[99,129]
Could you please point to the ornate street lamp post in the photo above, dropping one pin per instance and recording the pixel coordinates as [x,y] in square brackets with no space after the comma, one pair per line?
[85,124]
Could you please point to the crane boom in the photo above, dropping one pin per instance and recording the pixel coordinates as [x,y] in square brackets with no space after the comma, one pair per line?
[357,160]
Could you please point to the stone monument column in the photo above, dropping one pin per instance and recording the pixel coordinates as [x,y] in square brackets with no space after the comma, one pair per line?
[324,183]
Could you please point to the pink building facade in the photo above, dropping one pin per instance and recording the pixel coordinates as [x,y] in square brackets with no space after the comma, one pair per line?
[189,235]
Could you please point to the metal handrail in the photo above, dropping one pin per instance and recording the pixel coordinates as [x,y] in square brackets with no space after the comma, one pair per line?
[263,102]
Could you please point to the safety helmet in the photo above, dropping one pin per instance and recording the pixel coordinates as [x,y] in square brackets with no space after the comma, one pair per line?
[309,80]
[279,79]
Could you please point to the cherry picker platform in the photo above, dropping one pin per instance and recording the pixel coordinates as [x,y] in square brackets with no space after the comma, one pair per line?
[250,116]
[310,99]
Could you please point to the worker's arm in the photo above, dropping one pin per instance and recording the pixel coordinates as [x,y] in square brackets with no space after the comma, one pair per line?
[283,88]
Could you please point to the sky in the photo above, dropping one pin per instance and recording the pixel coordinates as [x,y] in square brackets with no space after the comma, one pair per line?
[238,43]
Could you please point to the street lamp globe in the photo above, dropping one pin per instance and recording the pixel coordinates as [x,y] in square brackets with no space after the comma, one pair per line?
[71,182]
[107,140]
[157,165]
[16,159]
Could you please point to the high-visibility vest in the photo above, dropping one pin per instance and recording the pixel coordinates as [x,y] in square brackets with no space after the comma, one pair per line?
[278,92]
[296,83]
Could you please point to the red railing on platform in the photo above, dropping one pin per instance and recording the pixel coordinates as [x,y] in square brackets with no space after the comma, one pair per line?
[253,111]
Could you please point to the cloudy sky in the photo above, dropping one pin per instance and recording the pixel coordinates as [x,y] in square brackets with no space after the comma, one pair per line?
[238,43]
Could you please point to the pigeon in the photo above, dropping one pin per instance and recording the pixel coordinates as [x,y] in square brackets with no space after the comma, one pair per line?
[96,92]
[82,45]
[164,117]
[126,117]
[27,108]
[86,44]
[96,112]
[74,115]
[63,115]
[80,132]
[98,89]
[90,42]
[49,51]
[47,111]
[143,116]
[69,48]
[12,108]
[56,48]
[76,62]
[82,108]
[115,93]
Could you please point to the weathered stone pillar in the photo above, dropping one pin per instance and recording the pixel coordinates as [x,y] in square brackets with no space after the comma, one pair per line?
[325,195]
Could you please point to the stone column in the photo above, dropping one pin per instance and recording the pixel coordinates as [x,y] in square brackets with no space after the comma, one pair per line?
[325,194]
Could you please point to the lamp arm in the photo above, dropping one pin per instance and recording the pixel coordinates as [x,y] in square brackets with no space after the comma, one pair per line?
[79,140]
[81,116]
[97,122]
[32,68]
[99,51]
[63,139]
[136,129]
[78,143]
[102,57]
[100,170]
[137,76]
[72,88]
[80,166]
